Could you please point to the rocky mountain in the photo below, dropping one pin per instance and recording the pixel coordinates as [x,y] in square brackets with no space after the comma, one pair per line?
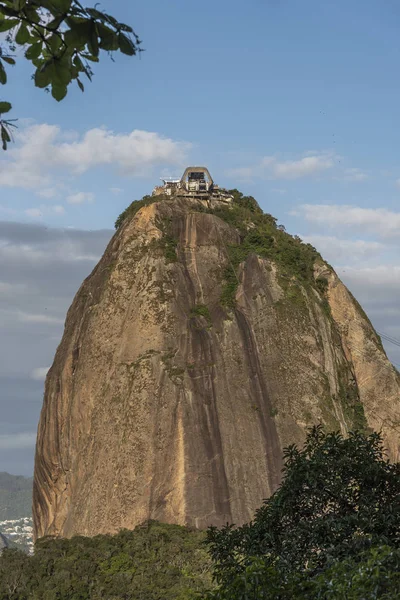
[15,496]
[205,341]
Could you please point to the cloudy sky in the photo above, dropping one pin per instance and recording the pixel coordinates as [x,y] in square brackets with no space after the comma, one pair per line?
[293,101]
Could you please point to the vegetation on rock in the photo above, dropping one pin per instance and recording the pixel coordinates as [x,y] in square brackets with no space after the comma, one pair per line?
[261,235]
[201,310]
[133,208]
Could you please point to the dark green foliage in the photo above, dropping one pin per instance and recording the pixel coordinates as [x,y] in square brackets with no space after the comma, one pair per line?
[350,400]
[168,243]
[154,562]
[60,37]
[372,575]
[247,202]
[201,310]
[15,496]
[322,284]
[339,498]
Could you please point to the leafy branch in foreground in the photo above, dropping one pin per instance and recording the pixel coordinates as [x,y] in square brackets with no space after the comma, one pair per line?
[61,39]
[339,501]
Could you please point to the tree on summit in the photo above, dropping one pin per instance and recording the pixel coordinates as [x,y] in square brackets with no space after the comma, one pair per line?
[61,38]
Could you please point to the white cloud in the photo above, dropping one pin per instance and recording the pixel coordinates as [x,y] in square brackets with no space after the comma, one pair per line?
[293,169]
[380,221]
[39,374]
[7,289]
[6,210]
[334,249]
[39,318]
[355,174]
[80,198]
[17,440]
[116,190]
[65,251]
[44,149]
[44,210]
[47,193]
[383,276]
[271,167]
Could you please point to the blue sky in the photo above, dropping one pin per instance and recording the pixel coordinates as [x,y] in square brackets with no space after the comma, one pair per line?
[295,102]
[239,81]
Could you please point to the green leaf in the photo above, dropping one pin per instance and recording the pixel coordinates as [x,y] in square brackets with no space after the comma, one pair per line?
[58,91]
[93,43]
[37,33]
[108,38]
[8,60]
[78,63]
[81,86]
[5,107]
[62,73]
[126,28]
[55,23]
[31,14]
[126,45]
[34,51]
[7,24]
[44,74]
[19,4]
[78,35]
[5,137]
[112,20]
[90,57]
[96,14]
[3,74]
[54,43]
[22,35]
[7,10]
[62,6]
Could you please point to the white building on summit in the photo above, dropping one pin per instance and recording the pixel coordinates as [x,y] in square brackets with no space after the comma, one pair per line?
[196,182]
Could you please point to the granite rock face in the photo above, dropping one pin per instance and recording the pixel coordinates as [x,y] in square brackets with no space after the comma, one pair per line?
[162,403]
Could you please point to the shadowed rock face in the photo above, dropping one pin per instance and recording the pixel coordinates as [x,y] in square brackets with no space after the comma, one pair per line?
[156,407]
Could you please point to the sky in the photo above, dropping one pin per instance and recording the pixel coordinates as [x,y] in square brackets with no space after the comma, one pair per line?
[294,102]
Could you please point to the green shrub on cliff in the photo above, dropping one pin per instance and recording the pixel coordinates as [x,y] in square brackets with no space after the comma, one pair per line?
[133,208]
[260,235]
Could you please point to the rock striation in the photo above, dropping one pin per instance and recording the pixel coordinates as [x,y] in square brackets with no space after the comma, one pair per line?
[189,361]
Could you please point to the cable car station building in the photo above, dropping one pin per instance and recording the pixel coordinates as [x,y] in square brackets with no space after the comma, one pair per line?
[196,182]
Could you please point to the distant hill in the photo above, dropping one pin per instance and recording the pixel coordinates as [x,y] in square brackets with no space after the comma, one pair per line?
[15,496]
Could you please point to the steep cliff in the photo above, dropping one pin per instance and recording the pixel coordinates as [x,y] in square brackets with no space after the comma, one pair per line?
[205,340]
